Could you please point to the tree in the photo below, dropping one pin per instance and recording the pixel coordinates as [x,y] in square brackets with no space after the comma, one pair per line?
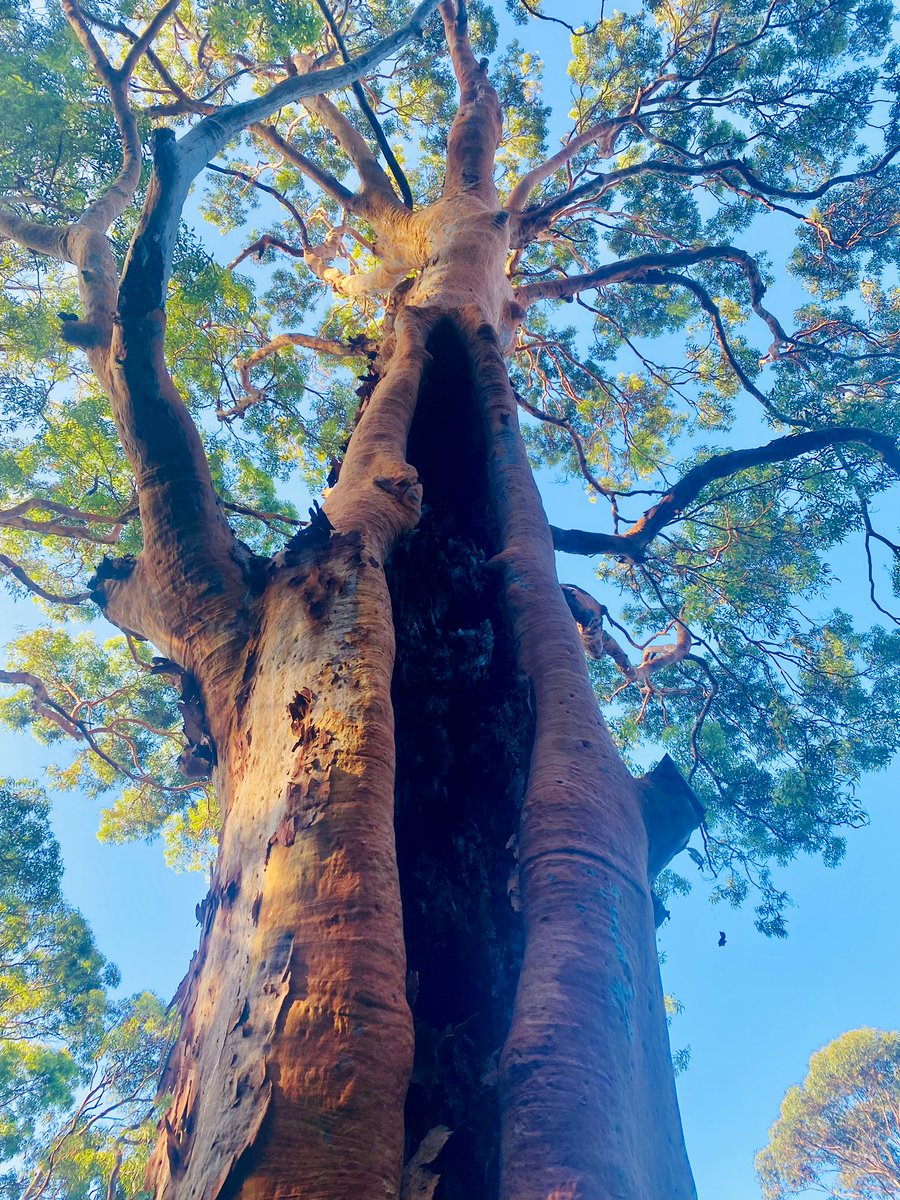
[427,957]
[839,1131]
[77,1069]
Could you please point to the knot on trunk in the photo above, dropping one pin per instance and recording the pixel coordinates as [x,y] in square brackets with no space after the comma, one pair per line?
[405,488]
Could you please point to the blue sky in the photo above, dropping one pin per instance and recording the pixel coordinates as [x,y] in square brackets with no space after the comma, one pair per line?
[754,1010]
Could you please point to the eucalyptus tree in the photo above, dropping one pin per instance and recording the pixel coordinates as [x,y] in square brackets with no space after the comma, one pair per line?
[427,961]
[838,1132]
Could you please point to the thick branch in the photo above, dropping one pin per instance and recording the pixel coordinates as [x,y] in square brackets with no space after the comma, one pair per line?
[477,126]
[633,543]
[373,179]
[109,207]
[193,551]
[536,219]
[329,183]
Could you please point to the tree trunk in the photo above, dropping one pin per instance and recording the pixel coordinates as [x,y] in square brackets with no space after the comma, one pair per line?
[430,945]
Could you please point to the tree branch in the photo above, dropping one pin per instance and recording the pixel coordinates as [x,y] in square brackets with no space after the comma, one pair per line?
[634,542]
[147,267]
[270,191]
[25,579]
[605,132]
[478,123]
[367,110]
[143,41]
[712,310]
[373,179]
[329,183]
[253,395]
[15,518]
[535,219]
[261,245]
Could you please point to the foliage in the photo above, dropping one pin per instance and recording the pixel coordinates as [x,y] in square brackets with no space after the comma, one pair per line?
[77,1069]
[839,1131]
[754,129]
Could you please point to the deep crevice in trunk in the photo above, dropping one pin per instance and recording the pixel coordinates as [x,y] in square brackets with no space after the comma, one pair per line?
[464,732]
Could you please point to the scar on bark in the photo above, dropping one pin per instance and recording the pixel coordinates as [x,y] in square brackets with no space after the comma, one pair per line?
[671,813]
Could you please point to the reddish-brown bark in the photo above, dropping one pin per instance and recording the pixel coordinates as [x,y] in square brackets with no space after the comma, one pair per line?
[527,1041]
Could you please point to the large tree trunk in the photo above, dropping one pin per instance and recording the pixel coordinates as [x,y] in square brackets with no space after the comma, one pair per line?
[452,918]
[427,964]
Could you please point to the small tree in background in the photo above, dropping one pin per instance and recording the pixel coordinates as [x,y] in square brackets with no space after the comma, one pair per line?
[78,1069]
[839,1131]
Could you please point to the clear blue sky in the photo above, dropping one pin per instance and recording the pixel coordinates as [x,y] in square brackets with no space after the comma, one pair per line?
[754,1009]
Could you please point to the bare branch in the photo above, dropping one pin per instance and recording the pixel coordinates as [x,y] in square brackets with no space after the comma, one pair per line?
[574,438]
[42,703]
[261,245]
[321,345]
[635,269]
[533,220]
[589,615]
[581,31]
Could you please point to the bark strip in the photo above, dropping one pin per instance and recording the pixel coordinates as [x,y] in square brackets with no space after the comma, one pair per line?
[583,1075]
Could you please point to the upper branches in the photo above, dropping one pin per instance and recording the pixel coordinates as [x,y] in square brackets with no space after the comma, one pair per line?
[475,133]
[178,163]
